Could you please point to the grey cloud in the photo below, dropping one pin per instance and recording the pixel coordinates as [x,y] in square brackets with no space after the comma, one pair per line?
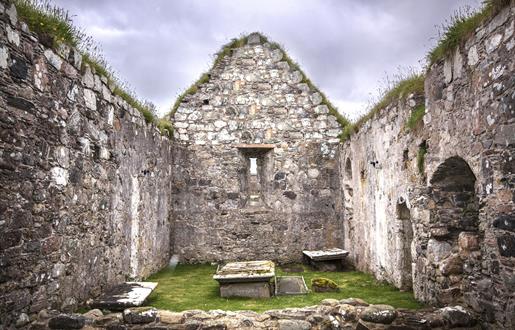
[346,47]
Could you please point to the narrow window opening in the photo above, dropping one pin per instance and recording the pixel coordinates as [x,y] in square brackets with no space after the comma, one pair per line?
[253,166]
[255,190]
[255,174]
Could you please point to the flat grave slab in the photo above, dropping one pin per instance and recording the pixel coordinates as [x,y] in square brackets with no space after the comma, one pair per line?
[246,279]
[120,297]
[245,271]
[328,254]
[326,260]
[290,285]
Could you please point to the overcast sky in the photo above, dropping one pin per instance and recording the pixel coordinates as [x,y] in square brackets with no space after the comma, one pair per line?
[346,47]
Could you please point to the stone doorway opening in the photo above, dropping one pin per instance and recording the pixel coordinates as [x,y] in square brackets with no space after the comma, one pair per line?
[406,232]
[454,229]
[257,166]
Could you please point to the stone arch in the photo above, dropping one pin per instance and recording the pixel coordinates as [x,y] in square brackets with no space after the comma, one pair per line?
[453,190]
[454,229]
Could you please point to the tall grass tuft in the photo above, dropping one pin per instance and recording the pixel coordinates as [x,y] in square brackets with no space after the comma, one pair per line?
[50,21]
[54,27]
[462,25]
[397,88]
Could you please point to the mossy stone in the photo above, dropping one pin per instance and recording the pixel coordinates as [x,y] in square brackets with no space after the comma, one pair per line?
[322,284]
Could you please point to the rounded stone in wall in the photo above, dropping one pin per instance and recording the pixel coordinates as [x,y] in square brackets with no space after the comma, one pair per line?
[246,136]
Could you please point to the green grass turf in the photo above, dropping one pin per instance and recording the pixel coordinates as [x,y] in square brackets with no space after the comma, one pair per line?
[192,287]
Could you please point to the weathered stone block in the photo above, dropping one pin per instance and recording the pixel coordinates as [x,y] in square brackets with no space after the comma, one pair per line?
[168,317]
[250,289]
[139,315]
[438,250]
[67,321]
[452,265]
[506,244]
[384,314]
[457,316]
[506,222]
[468,242]
[294,325]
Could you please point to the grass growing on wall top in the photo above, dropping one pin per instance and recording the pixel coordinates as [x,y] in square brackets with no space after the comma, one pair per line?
[462,25]
[227,49]
[47,19]
[192,287]
[400,88]
[54,26]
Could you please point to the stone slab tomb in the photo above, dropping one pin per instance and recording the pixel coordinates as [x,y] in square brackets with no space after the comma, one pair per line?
[129,294]
[245,279]
[326,260]
[290,285]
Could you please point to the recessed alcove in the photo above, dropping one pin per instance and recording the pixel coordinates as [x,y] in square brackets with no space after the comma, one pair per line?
[257,164]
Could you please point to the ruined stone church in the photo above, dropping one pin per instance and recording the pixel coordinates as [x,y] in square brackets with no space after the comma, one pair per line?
[91,195]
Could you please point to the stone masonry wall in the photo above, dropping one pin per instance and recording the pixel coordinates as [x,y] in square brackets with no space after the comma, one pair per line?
[85,183]
[254,105]
[378,166]
[460,209]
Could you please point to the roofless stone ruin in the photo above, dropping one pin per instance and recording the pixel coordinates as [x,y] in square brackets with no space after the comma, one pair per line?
[93,198]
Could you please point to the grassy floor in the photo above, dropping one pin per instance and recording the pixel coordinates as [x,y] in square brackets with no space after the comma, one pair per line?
[192,287]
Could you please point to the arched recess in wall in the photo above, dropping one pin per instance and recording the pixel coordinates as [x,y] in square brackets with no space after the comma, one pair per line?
[406,231]
[453,249]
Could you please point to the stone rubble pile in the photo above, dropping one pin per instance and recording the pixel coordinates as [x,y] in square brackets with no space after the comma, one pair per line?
[349,313]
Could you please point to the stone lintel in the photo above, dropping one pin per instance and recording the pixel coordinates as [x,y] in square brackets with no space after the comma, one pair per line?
[255,146]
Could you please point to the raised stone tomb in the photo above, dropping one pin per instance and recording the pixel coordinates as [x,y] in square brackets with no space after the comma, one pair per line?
[326,260]
[246,279]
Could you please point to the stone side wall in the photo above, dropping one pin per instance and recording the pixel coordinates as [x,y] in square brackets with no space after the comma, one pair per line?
[461,208]
[378,166]
[254,97]
[84,181]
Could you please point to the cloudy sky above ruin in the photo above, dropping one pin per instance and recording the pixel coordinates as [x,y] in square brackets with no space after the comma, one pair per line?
[346,47]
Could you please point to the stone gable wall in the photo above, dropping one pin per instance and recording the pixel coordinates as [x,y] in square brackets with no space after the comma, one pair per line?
[85,183]
[254,97]
[461,209]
